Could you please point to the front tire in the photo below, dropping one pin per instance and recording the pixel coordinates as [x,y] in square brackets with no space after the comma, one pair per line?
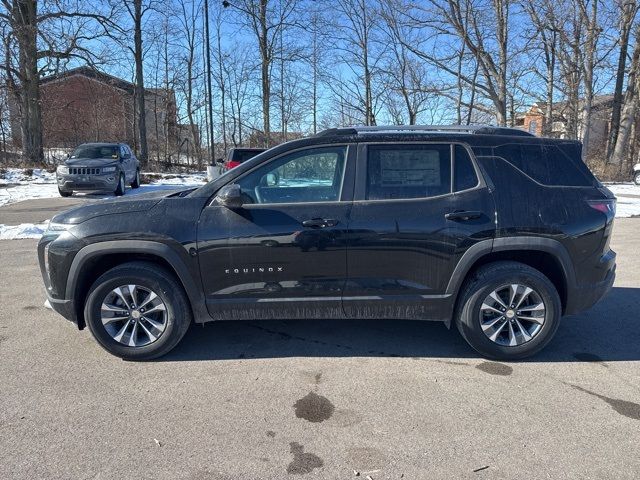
[121,188]
[136,180]
[636,178]
[65,193]
[508,311]
[137,311]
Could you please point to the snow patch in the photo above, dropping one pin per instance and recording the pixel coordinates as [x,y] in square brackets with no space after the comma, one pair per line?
[24,230]
[628,195]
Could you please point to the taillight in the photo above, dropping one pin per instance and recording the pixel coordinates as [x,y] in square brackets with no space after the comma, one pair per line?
[606,206]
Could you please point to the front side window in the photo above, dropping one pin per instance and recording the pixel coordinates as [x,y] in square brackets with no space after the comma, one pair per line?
[408,171]
[311,175]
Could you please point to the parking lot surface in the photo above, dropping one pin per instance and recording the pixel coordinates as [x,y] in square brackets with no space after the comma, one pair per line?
[318,399]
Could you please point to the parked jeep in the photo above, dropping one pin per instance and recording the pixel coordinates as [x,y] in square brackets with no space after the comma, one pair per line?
[106,167]
[491,229]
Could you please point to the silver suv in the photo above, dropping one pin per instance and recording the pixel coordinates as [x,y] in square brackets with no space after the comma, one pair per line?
[99,167]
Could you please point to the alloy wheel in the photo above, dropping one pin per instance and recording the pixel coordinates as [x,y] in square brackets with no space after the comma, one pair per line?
[133,315]
[512,314]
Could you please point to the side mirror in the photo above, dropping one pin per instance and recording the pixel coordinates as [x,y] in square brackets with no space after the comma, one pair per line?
[68,155]
[230,196]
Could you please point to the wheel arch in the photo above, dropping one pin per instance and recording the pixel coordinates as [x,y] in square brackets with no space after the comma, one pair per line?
[95,259]
[546,255]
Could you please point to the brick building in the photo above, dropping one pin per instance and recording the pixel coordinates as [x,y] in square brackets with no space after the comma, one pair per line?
[533,121]
[86,105]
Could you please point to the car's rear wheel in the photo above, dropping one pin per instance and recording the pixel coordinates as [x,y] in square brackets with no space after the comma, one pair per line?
[136,180]
[508,311]
[121,188]
[636,178]
[65,193]
[137,311]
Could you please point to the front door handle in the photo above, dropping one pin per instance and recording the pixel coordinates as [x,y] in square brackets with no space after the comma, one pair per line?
[320,222]
[463,215]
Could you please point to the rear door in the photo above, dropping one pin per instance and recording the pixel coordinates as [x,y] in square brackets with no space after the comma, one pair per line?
[283,254]
[409,228]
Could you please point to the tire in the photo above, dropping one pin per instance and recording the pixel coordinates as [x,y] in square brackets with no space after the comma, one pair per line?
[476,308]
[121,188]
[136,180]
[175,317]
[65,193]
[636,178]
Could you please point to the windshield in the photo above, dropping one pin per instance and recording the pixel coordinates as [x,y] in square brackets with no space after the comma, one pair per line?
[96,151]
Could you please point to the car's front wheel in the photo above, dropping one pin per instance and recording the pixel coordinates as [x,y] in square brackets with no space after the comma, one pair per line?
[137,311]
[136,180]
[65,193]
[121,188]
[636,178]
[508,311]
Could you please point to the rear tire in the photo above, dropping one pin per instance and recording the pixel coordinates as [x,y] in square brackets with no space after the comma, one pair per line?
[121,188]
[479,316]
[123,338]
[136,180]
[65,193]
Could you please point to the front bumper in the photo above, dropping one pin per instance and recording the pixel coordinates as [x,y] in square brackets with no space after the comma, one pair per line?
[107,181]
[64,307]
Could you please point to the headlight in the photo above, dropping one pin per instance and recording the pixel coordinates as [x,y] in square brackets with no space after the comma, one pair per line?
[108,169]
[63,169]
[56,229]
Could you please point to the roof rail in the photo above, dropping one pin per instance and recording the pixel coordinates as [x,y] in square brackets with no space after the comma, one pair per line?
[470,129]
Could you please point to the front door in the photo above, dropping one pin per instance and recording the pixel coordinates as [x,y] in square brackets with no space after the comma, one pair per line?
[408,229]
[283,253]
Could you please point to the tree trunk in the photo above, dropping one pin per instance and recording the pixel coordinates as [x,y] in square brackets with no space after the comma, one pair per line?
[142,120]
[26,31]
[265,68]
[630,10]
[630,107]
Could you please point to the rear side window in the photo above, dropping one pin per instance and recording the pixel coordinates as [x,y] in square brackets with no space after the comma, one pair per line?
[464,176]
[546,164]
[408,171]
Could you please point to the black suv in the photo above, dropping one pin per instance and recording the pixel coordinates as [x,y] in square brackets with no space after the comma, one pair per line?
[489,228]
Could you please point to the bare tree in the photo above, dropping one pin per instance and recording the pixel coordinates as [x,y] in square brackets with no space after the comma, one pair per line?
[628,12]
[38,40]
[545,36]
[188,19]
[631,106]
[356,26]
[266,22]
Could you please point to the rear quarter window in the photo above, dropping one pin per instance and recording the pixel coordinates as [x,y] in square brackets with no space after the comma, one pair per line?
[547,164]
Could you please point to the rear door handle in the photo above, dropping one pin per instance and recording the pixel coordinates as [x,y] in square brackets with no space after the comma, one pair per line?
[320,222]
[463,215]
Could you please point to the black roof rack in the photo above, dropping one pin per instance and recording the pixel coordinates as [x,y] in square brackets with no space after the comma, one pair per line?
[469,129]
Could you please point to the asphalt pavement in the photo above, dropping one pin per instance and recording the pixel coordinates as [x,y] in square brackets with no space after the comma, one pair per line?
[316,399]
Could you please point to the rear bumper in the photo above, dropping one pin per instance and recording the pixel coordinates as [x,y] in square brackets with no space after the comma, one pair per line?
[583,297]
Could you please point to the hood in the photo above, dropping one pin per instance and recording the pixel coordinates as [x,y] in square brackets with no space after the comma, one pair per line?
[90,162]
[133,203]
